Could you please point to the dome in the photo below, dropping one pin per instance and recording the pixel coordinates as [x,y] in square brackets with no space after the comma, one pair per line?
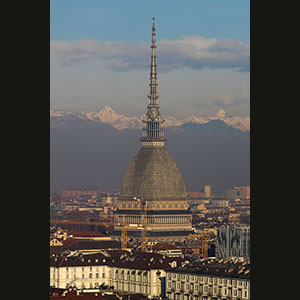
[153,172]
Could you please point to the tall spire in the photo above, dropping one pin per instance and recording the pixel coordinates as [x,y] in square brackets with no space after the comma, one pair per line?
[153,131]
[153,75]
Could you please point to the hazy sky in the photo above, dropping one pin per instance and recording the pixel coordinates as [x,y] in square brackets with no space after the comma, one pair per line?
[100,55]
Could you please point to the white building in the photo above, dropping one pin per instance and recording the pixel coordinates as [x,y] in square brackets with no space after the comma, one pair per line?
[87,271]
[214,279]
[139,272]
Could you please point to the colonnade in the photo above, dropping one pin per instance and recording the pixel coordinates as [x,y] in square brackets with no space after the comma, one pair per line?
[132,219]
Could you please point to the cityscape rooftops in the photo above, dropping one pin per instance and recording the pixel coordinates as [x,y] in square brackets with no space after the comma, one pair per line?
[118,258]
[233,268]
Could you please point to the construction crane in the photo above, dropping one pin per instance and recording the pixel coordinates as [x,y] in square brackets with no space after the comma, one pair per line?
[123,226]
[123,233]
[143,203]
[204,246]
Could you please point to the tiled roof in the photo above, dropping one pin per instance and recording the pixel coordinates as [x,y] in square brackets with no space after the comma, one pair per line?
[154,172]
[85,260]
[90,244]
[118,258]
[144,261]
[217,267]
[163,246]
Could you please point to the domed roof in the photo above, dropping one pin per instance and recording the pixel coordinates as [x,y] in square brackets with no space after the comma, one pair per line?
[153,172]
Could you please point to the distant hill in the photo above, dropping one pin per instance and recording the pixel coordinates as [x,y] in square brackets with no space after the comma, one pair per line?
[82,150]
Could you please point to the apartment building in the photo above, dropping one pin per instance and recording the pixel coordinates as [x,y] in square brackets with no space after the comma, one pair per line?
[138,272]
[233,241]
[209,279]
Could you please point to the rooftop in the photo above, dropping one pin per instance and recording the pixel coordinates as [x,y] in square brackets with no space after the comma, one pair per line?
[232,268]
[118,258]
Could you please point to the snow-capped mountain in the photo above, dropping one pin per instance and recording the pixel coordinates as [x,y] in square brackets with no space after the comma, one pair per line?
[109,116]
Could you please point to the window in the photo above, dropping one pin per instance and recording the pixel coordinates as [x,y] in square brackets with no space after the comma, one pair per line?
[187,286]
[178,286]
[91,275]
[169,284]
[245,293]
[97,275]
[103,275]
[196,287]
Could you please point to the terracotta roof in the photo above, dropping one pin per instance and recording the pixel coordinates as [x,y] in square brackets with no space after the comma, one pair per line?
[90,244]
[69,242]
[163,246]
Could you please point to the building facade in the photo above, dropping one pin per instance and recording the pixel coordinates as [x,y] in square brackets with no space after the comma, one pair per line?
[233,241]
[207,191]
[122,271]
[210,281]
[81,272]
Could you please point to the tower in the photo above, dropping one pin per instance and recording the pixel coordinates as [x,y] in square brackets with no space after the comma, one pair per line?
[154,174]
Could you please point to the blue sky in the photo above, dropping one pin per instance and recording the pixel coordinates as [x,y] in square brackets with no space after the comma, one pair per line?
[210,38]
[128,20]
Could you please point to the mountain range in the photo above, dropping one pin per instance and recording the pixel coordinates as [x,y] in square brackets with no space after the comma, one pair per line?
[109,116]
[88,148]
